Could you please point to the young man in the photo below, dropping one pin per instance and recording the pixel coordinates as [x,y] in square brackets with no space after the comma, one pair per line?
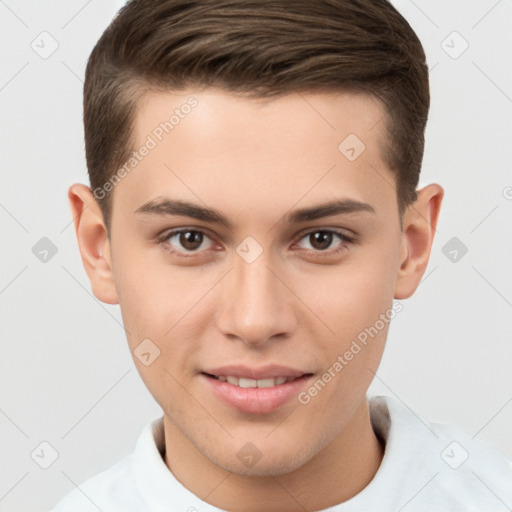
[253,209]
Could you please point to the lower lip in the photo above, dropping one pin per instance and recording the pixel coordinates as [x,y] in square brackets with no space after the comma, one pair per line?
[256,400]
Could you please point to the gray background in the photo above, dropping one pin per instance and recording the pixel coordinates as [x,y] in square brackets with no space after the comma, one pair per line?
[66,375]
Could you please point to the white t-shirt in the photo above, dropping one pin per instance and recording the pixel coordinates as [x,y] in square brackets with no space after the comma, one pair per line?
[426,467]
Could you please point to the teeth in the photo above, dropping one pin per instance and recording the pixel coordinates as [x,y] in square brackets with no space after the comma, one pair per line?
[248,383]
[253,383]
[266,383]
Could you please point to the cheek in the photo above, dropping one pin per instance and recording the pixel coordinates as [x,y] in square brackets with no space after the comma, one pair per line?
[165,305]
[357,307]
[356,304]
[145,311]
[150,296]
[352,296]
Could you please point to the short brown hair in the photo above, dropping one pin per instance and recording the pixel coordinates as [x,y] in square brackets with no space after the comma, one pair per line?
[260,48]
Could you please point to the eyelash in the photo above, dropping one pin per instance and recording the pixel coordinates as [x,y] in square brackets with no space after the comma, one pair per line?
[345,241]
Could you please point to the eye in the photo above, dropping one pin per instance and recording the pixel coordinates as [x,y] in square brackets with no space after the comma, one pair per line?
[186,241]
[321,240]
[189,242]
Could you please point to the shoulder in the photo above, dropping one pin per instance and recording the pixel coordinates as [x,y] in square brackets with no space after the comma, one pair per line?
[112,489]
[472,466]
[453,470]
[118,487]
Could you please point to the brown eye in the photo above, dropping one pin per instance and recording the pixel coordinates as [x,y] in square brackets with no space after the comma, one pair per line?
[324,240]
[190,240]
[320,240]
[186,241]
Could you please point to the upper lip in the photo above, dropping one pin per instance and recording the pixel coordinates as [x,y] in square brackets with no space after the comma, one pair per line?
[265,372]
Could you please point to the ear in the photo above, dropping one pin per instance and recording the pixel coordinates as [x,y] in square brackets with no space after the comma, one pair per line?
[93,242]
[419,226]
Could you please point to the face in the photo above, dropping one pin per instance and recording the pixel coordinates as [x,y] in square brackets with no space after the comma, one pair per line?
[250,248]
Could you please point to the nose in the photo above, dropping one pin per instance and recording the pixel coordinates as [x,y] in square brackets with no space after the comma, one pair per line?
[256,306]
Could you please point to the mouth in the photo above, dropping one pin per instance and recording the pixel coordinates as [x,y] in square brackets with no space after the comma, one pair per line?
[255,391]
[245,382]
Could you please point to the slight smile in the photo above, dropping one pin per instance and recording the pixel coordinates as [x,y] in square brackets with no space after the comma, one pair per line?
[255,391]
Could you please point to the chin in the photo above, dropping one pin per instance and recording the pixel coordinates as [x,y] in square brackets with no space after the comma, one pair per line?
[270,461]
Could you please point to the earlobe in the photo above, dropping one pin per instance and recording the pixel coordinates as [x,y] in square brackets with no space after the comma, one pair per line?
[93,242]
[419,227]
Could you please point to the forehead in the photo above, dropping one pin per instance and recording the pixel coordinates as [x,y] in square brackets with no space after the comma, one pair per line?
[246,123]
[240,154]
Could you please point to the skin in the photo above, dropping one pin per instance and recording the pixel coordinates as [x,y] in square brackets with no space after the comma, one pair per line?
[297,304]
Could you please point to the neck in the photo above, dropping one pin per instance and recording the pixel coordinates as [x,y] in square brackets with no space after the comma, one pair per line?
[335,474]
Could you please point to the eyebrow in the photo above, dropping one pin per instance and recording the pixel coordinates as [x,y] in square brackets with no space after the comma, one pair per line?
[167,206]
